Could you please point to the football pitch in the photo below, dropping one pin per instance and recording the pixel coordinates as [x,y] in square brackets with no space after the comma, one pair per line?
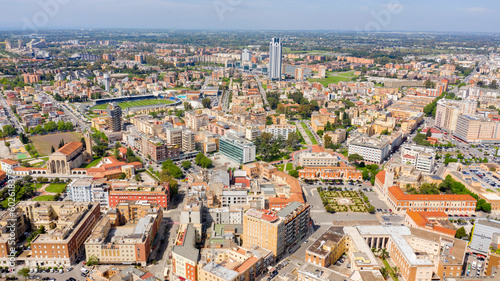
[128,104]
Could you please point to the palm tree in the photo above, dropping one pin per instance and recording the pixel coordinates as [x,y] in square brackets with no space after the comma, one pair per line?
[396,271]
[384,254]
[384,272]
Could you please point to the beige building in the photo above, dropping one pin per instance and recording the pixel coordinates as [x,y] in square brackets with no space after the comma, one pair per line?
[447,112]
[188,140]
[265,230]
[477,129]
[320,159]
[196,120]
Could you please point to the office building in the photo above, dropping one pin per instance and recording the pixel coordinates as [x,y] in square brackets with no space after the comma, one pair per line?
[477,129]
[451,204]
[188,141]
[320,159]
[420,157]
[106,81]
[281,131]
[67,225]
[239,150]
[373,150]
[115,113]
[275,59]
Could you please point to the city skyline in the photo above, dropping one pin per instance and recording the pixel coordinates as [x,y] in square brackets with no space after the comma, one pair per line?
[366,15]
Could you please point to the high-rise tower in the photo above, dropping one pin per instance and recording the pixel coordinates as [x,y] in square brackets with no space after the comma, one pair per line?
[275,59]
[115,113]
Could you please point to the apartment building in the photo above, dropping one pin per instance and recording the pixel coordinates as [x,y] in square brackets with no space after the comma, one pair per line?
[264,229]
[234,264]
[297,219]
[157,150]
[447,112]
[338,136]
[116,244]
[84,190]
[174,136]
[239,150]
[328,248]
[67,225]
[122,192]
[281,131]
[420,157]
[451,204]
[188,141]
[196,120]
[185,256]
[147,125]
[319,159]
[373,150]
[477,129]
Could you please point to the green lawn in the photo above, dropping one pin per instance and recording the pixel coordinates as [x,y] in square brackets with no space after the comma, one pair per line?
[335,78]
[289,166]
[281,167]
[92,164]
[44,198]
[124,105]
[313,139]
[56,187]
[36,185]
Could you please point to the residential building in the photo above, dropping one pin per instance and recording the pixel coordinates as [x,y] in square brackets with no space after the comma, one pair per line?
[196,120]
[264,229]
[275,58]
[373,150]
[188,141]
[297,219]
[420,157]
[447,112]
[281,131]
[174,136]
[157,150]
[185,256]
[246,55]
[8,165]
[133,243]
[122,192]
[451,204]
[115,113]
[239,150]
[338,136]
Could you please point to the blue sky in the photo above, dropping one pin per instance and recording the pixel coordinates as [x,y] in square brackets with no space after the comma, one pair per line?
[362,15]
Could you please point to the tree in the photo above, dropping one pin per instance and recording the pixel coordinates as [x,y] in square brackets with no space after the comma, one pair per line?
[52,149]
[206,102]
[292,140]
[269,120]
[93,260]
[186,164]
[371,210]
[187,106]
[294,173]
[384,272]
[328,141]
[24,272]
[173,169]
[354,157]
[138,177]
[460,233]
[122,176]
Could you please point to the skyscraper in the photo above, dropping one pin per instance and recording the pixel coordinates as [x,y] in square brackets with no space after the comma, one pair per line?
[106,81]
[115,113]
[275,59]
[246,55]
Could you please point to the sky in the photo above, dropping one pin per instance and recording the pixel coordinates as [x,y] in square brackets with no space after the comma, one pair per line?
[356,15]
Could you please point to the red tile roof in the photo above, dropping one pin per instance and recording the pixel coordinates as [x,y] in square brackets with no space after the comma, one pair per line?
[70,147]
[401,196]
[9,161]
[381,176]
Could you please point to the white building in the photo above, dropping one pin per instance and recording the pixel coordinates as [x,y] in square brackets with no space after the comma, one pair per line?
[321,159]
[372,150]
[237,149]
[421,157]
[246,55]
[85,190]
[275,59]
[281,130]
